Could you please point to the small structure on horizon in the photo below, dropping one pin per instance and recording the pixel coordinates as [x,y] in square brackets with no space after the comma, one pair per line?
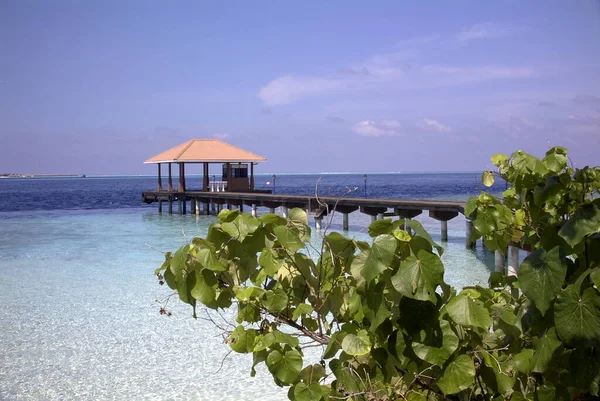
[235,162]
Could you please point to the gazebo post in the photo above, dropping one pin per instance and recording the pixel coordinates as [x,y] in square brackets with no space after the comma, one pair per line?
[170,182]
[205,177]
[228,168]
[159,188]
[252,176]
[181,187]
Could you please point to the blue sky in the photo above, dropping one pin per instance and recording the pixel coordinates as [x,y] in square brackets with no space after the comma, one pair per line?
[96,87]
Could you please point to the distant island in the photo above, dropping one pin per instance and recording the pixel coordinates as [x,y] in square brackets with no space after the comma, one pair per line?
[13,175]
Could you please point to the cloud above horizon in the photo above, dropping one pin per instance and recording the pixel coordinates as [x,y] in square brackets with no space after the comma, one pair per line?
[374,128]
[399,70]
[486,30]
[433,125]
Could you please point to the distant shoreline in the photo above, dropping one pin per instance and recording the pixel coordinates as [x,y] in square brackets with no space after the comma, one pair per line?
[11,175]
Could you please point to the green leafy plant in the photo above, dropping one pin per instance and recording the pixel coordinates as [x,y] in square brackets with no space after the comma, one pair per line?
[385,323]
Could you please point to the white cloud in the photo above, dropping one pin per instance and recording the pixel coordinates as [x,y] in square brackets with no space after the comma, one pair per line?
[433,125]
[221,136]
[486,30]
[373,128]
[288,89]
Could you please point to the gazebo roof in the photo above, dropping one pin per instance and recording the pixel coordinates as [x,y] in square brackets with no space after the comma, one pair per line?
[205,150]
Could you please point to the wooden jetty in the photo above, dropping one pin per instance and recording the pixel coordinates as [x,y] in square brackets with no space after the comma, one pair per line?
[205,203]
[235,188]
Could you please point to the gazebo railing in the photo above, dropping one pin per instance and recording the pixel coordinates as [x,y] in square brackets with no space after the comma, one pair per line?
[217,186]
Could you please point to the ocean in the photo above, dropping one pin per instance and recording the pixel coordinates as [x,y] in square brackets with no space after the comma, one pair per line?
[79,316]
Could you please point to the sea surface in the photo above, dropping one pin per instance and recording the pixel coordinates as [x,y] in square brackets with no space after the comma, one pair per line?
[79,317]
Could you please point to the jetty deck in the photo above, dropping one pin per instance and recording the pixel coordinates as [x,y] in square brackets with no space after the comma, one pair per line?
[205,203]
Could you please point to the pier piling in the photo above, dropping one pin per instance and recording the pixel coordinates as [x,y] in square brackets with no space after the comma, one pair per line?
[499,260]
[469,243]
[345,221]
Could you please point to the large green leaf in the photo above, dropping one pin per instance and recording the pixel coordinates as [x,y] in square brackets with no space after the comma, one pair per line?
[301,309]
[298,215]
[585,221]
[541,276]
[285,366]
[242,340]
[420,230]
[178,262]
[276,300]
[468,312]
[308,392]
[438,355]
[487,178]
[524,360]
[498,159]
[419,276]
[368,264]
[241,226]
[379,227]
[288,238]
[270,261]
[203,289]
[313,373]
[545,351]
[555,162]
[458,375]
[208,259]
[577,317]
[357,344]
[274,219]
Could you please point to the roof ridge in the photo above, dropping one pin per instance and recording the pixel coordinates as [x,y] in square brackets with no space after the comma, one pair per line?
[184,149]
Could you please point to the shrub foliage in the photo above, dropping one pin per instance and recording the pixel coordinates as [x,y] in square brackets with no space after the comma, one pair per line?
[387,325]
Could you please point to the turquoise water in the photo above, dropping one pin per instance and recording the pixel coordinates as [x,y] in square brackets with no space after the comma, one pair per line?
[79,317]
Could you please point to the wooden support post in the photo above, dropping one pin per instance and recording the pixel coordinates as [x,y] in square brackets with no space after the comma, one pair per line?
[513,260]
[444,225]
[241,207]
[192,206]
[469,243]
[214,208]
[499,260]
[379,216]
[160,206]
[373,218]
[159,188]
[181,187]
[272,210]
[180,182]
[170,205]
[284,212]
[252,176]
[253,212]
[318,221]
[345,221]
[206,208]
[228,169]
[205,178]
[170,181]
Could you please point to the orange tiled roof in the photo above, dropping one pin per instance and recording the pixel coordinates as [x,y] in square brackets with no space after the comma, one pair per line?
[205,150]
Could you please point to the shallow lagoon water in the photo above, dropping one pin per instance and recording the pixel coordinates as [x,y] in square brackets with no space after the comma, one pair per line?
[80,321]
[79,317]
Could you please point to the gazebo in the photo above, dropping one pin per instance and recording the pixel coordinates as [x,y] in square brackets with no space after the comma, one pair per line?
[234,160]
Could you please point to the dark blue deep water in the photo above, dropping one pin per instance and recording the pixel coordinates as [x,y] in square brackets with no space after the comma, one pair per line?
[29,194]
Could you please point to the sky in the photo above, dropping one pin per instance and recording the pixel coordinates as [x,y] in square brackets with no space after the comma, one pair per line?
[97,87]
